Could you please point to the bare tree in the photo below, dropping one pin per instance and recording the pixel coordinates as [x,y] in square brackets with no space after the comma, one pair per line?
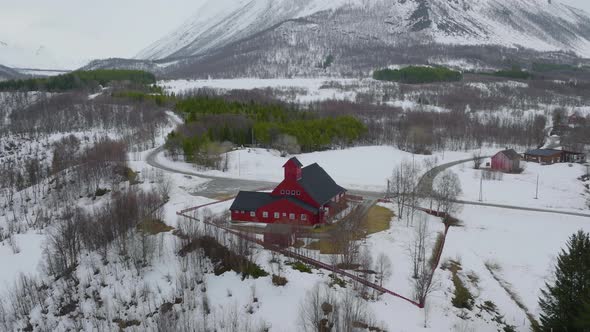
[477,160]
[383,268]
[447,188]
[311,314]
[404,186]
[417,248]
[165,184]
[64,246]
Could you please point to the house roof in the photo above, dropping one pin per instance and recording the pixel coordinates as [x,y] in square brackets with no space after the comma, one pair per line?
[302,204]
[543,152]
[295,161]
[252,201]
[318,184]
[511,154]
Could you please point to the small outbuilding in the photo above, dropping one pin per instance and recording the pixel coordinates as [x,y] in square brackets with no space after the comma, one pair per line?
[506,161]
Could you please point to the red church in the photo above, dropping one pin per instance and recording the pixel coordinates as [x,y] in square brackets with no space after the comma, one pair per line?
[307,195]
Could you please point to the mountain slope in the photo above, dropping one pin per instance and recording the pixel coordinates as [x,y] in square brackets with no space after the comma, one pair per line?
[534,24]
[8,73]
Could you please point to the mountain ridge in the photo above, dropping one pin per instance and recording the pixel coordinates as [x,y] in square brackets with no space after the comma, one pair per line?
[536,24]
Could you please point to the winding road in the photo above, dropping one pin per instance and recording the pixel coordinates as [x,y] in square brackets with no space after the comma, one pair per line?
[223,186]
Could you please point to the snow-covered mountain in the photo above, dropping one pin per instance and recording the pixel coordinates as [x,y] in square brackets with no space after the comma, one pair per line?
[17,55]
[543,25]
[8,73]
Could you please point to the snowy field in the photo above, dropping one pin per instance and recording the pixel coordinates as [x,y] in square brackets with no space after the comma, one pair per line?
[307,89]
[361,168]
[523,244]
[559,187]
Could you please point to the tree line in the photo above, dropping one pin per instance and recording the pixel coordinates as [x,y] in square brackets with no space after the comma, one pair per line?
[418,75]
[79,79]
[215,119]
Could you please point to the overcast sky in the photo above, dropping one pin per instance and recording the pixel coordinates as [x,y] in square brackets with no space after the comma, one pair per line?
[78,30]
[91,29]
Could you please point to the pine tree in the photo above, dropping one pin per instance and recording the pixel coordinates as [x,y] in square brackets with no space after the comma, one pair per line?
[583,320]
[563,303]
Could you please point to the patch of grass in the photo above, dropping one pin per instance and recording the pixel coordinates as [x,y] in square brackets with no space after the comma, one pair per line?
[438,246]
[337,281]
[153,227]
[462,297]
[254,270]
[378,219]
[300,267]
[323,228]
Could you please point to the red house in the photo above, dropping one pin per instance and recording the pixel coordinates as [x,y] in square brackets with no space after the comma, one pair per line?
[506,161]
[306,196]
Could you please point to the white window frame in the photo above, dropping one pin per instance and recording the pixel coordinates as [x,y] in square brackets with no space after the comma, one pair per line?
[303,216]
[291,216]
[293,192]
[298,192]
[252,214]
[277,215]
[282,191]
[264,214]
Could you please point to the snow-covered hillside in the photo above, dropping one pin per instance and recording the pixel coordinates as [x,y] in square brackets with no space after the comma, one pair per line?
[536,24]
[8,73]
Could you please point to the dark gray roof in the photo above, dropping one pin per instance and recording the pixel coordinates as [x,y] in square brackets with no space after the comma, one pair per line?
[543,152]
[302,204]
[318,184]
[252,200]
[511,154]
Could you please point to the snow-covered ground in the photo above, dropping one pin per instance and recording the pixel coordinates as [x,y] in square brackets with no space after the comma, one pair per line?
[362,168]
[307,89]
[559,187]
[523,244]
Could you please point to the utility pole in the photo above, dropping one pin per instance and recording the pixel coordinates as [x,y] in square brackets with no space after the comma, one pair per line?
[481,189]
[239,163]
[537,192]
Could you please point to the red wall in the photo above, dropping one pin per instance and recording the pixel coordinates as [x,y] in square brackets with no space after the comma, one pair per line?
[500,162]
[281,206]
[294,185]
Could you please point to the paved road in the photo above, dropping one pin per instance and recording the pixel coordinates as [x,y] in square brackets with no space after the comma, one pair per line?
[425,183]
[219,186]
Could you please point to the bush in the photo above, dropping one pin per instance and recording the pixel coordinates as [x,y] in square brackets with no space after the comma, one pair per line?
[301,267]
[417,75]
[101,192]
[278,280]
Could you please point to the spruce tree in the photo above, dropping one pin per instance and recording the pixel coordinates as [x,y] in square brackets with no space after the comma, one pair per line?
[564,303]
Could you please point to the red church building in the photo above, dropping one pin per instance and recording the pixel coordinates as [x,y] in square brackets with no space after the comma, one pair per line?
[307,195]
